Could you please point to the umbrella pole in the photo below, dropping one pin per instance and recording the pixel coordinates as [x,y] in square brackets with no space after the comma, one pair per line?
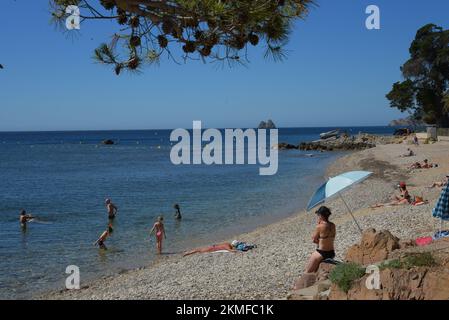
[350,212]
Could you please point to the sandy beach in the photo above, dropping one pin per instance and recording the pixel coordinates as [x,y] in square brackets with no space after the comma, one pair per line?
[269,271]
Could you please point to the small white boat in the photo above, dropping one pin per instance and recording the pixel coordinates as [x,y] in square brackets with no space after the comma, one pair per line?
[330,134]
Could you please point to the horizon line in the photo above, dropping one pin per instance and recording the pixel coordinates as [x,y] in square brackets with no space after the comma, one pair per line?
[167,129]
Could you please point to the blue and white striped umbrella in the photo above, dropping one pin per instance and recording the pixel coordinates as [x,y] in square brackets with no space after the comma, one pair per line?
[441,209]
[334,186]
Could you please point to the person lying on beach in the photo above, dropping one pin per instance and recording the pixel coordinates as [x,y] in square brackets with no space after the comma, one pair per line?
[178,215]
[424,165]
[24,218]
[324,237]
[403,198]
[415,165]
[440,184]
[101,240]
[111,208]
[226,246]
[409,153]
[159,231]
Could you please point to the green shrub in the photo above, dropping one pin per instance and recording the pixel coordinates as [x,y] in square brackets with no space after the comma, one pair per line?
[423,259]
[343,275]
[392,264]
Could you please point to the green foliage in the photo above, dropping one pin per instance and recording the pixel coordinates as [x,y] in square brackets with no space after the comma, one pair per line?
[422,259]
[214,30]
[424,91]
[343,275]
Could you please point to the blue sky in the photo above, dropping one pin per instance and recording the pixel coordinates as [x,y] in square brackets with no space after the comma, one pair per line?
[337,74]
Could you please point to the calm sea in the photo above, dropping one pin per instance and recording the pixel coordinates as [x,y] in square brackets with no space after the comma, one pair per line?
[64,177]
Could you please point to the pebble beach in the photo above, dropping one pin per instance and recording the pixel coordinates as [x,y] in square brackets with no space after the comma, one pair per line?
[269,271]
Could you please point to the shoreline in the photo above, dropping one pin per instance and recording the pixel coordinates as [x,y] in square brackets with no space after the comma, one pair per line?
[269,271]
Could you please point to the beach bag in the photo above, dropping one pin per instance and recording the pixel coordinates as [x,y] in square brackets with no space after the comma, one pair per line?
[242,246]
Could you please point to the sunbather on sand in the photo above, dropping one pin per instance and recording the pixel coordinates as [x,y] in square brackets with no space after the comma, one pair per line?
[324,237]
[231,247]
[403,198]
[440,184]
[424,165]
[409,153]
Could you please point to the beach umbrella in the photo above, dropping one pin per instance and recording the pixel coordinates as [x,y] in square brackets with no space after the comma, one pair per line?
[335,186]
[441,210]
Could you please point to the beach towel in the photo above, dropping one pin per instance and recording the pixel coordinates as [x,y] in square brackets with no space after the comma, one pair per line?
[424,241]
[441,234]
[222,251]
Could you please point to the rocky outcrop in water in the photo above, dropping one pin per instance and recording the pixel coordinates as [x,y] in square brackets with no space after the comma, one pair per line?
[267,125]
[345,142]
[286,146]
[108,142]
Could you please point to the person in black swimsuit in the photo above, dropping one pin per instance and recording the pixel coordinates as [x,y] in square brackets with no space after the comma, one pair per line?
[324,237]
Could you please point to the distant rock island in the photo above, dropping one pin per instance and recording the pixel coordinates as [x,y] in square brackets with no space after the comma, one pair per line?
[406,122]
[267,125]
[108,142]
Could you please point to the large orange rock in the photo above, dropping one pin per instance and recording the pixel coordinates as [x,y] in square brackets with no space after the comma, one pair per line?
[305,281]
[436,285]
[374,247]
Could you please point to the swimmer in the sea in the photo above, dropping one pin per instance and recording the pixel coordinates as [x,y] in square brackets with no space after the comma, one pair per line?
[111,208]
[24,218]
[178,215]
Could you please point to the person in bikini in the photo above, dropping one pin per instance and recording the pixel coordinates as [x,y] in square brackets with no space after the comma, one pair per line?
[440,184]
[403,198]
[324,237]
[159,231]
[424,165]
[226,246]
[111,208]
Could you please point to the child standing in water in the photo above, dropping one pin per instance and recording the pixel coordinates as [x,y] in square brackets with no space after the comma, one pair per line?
[100,242]
[159,231]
